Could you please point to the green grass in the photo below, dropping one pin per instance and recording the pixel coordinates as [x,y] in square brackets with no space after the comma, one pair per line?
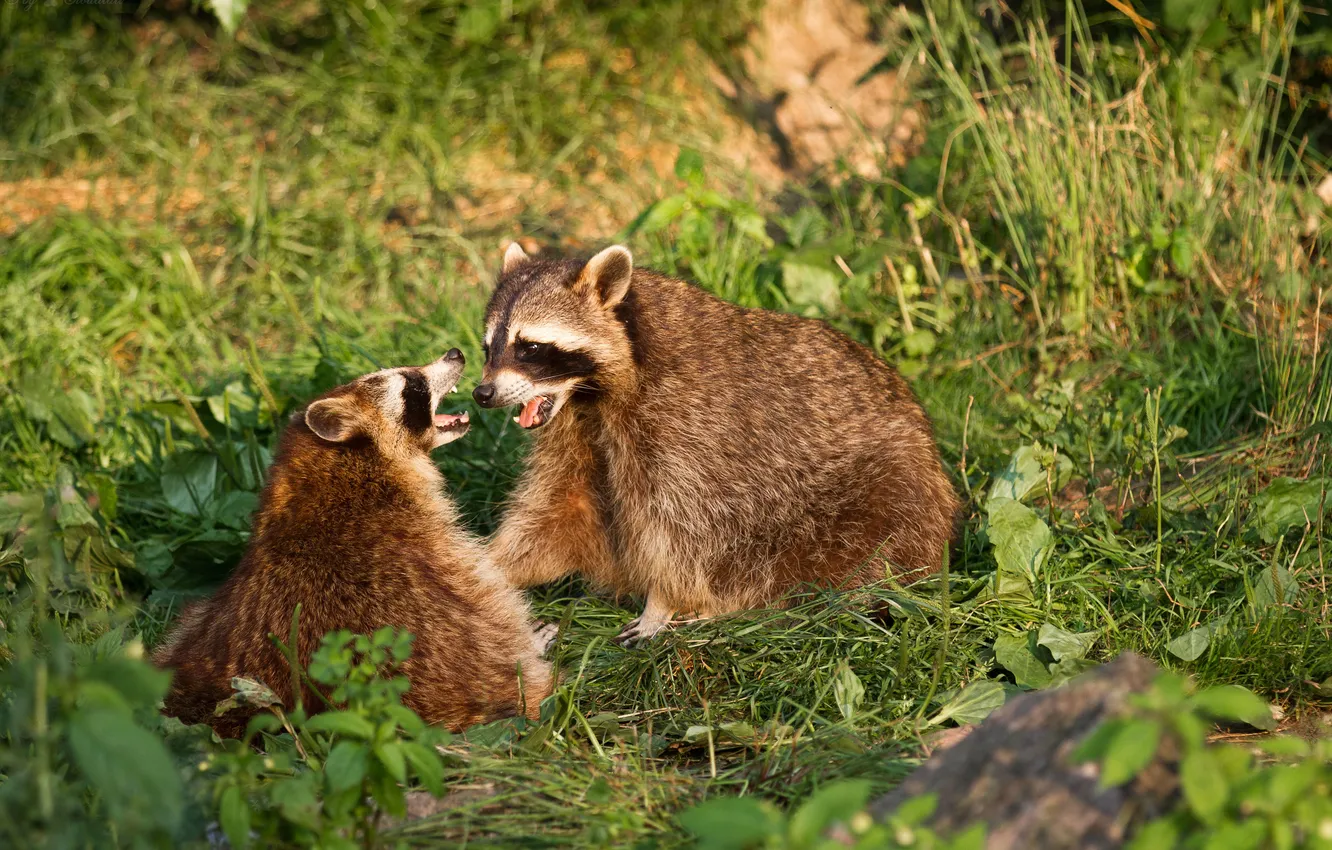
[159,346]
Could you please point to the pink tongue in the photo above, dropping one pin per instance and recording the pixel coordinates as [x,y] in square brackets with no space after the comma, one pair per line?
[529,413]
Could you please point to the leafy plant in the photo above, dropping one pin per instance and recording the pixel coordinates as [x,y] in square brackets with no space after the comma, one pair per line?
[345,768]
[80,746]
[833,816]
[1231,798]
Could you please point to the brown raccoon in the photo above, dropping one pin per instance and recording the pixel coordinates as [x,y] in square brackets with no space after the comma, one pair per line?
[354,526]
[703,455]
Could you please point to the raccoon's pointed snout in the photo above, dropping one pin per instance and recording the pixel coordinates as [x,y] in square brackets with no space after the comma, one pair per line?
[484,394]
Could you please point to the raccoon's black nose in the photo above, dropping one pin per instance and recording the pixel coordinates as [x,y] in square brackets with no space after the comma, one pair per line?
[484,393]
[453,354]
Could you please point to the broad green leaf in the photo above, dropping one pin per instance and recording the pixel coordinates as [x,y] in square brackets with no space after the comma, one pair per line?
[1014,653]
[234,405]
[1285,746]
[262,722]
[971,838]
[689,166]
[126,764]
[388,794]
[22,510]
[1158,835]
[96,695]
[1233,702]
[1287,503]
[229,12]
[1069,669]
[479,21]
[347,723]
[409,720]
[426,765]
[71,508]
[391,756]
[598,792]
[297,798]
[848,691]
[74,416]
[1129,751]
[660,215]
[152,558]
[234,817]
[731,823]
[346,765]
[919,342]
[972,704]
[1247,834]
[188,479]
[1203,784]
[917,810]
[832,803]
[811,286]
[1193,643]
[1064,645]
[1181,254]
[696,734]
[234,509]
[754,226]
[1023,474]
[1269,590]
[604,723]
[140,682]
[1190,15]
[735,732]
[1097,742]
[1022,542]
[89,549]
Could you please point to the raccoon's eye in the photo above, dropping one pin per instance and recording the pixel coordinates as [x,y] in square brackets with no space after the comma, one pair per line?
[528,350]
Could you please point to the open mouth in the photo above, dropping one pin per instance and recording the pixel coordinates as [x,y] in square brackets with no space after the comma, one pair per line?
[451,423]
[535,413]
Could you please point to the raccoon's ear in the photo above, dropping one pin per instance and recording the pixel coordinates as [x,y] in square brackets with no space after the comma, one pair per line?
[514,256]
[606,276]
[332,419]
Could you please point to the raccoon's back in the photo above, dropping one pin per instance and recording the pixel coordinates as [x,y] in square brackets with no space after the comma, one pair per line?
[761,389]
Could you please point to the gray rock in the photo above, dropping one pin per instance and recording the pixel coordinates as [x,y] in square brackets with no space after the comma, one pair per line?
[1014,774]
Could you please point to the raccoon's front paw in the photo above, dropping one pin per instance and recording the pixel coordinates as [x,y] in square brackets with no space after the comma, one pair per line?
[642,629]
[543,638]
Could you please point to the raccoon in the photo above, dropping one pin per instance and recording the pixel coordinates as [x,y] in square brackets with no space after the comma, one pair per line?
[354,526]
[702,455]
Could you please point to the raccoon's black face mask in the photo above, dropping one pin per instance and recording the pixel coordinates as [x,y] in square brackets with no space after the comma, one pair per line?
[550,328]
[393,408]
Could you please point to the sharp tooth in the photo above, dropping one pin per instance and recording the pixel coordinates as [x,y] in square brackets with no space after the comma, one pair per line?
[455,389]
[515,419]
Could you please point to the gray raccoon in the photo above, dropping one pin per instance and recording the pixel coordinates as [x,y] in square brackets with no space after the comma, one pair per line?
[703,455]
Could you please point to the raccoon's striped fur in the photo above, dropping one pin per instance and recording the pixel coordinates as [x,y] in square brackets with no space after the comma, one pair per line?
[354,525]
[702,455]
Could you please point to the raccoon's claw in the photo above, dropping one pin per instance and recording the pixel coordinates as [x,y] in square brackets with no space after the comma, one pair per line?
[544,637]
[641,630]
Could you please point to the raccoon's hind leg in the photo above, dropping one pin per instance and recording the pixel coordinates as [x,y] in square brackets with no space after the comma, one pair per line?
[656,616]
